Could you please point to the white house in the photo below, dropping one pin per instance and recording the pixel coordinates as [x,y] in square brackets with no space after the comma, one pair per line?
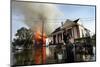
[75,29]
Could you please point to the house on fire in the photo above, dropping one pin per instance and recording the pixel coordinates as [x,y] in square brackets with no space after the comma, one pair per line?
[75,29]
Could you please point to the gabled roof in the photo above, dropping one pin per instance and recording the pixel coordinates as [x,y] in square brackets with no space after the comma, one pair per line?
[67,23]
[76,20]
[56,30]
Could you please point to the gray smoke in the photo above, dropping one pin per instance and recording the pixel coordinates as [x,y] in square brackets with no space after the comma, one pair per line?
[34,14]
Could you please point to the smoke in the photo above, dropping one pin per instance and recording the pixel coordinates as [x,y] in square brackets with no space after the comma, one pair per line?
[34,14]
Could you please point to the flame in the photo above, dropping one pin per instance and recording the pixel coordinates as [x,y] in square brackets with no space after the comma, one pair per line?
[38,36]
[40,54]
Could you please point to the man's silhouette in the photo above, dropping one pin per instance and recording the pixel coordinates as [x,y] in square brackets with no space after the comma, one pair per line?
[69,47]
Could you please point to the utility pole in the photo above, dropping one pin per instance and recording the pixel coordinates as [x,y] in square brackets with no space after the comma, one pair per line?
[42,44]
[42,38]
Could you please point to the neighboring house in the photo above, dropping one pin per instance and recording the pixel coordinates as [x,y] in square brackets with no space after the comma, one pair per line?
[75,29]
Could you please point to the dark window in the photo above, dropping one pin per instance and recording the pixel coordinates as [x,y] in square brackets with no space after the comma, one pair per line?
[54,39]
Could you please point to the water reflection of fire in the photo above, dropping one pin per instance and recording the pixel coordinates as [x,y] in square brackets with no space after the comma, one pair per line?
[40,53]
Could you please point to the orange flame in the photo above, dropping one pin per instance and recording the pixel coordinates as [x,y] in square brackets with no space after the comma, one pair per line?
[38,36]
[38,57]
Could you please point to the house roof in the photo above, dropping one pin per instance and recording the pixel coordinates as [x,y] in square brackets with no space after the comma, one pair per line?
[56,30]
[76,20]
[68,23]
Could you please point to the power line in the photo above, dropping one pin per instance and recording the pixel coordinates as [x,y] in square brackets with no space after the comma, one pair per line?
[37,19]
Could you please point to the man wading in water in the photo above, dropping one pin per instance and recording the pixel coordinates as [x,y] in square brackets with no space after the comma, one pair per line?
[69,47]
